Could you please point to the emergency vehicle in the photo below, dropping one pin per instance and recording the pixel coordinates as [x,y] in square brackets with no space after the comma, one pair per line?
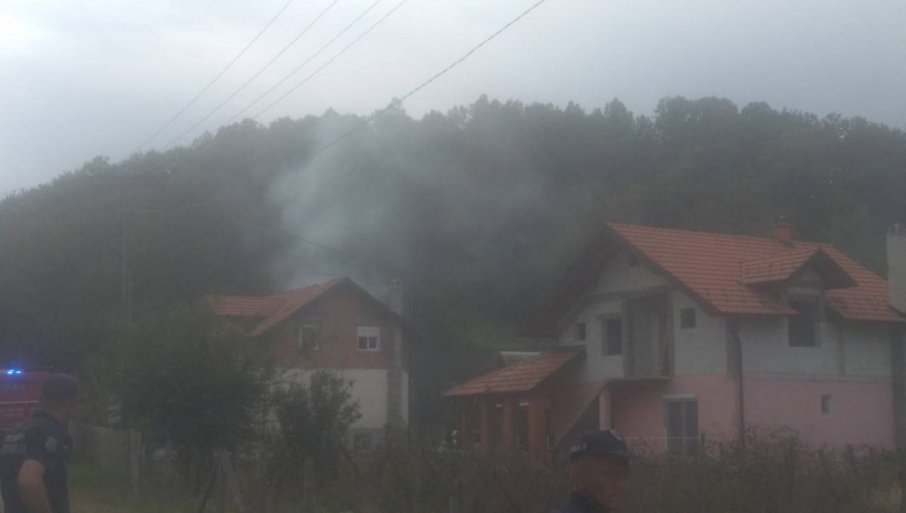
[19,392]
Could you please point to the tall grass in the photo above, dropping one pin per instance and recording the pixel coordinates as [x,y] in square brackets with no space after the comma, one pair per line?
[774,473]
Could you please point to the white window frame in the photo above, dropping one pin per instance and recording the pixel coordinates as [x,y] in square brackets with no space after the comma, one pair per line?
[371,335]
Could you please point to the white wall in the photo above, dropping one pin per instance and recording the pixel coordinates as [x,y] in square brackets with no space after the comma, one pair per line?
[618,275]
[848,349]
[596,366]
[702,349]
[369,388]
[866,350]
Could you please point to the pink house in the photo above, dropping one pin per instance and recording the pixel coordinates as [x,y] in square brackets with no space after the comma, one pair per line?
[676,338]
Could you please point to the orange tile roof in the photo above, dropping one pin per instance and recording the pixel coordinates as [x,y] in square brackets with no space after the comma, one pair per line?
[273,309]
[245,306]
[709,267]
[294,301]
[523,376]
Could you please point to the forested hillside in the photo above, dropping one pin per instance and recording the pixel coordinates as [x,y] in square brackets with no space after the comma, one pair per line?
[479,210]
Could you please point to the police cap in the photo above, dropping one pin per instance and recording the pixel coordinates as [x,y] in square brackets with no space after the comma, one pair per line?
[600,443]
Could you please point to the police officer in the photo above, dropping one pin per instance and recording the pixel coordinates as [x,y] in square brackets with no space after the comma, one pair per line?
[599,469]
[33,456]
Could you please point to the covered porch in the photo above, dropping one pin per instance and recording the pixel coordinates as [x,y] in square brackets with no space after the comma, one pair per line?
[509,409]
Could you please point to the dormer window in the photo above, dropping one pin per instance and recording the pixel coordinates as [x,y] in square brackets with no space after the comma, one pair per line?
[803,327]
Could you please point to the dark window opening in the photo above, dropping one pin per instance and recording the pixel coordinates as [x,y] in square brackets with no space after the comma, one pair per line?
[687,318]
[613,337]
[309,337]
[581,331]
[802,330]
[825,404]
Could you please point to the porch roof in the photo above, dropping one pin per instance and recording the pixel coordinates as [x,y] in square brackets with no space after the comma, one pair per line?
[522,376]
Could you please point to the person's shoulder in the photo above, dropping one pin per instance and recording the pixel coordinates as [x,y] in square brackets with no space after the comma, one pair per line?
[568,506]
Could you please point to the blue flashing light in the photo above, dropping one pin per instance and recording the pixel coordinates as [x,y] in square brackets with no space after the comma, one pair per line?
[13,372]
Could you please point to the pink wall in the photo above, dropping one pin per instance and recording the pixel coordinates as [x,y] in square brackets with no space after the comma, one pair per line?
[638,407]
[861,412]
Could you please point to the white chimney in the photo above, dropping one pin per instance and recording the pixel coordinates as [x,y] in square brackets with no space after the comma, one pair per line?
[395,299]
[896,267]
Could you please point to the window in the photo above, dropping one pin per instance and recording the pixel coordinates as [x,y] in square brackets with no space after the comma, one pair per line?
[369,338]
[309,337]
[613,336]
[825,404]
[687,318]
[682,426]
[362,442]
[802,326]
[633,260]
[581,331]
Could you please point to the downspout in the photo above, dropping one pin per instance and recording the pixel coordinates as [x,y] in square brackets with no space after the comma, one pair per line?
[740,387]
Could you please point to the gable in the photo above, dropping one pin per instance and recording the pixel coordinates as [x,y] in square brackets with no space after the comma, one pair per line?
[625,271]
[268,312]
[709,266]
[726,274]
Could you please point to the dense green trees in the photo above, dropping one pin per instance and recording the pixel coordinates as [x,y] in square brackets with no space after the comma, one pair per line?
[479,210]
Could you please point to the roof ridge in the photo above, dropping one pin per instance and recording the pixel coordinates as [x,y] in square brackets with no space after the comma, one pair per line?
[714,234]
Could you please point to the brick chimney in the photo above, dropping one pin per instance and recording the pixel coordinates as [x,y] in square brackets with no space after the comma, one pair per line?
[783,232]
[896,267]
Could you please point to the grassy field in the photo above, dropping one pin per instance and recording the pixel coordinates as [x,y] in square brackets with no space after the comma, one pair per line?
[95,490]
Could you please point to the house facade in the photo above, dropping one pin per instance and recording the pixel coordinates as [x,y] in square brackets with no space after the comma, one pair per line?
[679,338]
[340,327]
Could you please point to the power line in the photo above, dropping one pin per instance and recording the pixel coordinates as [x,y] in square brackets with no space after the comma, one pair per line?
[257,73]
[380,112]
[216,78]
[320,68]
[421,86]
[298,68]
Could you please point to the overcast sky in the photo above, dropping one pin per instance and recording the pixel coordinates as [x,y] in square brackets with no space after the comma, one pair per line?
[96,77]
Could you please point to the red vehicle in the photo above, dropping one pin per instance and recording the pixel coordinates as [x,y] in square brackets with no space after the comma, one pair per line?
[19,392]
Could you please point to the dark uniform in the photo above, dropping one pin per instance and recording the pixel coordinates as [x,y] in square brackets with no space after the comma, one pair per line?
[43,439]
[579,504]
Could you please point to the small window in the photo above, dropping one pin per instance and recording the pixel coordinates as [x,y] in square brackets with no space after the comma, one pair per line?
[309,337]
[687,318]
[362,442]
[581,331]
[369,339]
[633,260]
[613,336]
[802,331]
[825,404]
